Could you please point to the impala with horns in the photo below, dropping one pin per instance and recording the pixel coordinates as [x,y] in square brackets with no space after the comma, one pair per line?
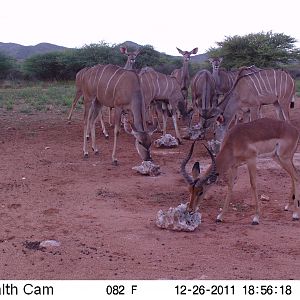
[158,87]
[182,75]
[253,88]
[204,96]
[224,79]
[115,87]
[243,144]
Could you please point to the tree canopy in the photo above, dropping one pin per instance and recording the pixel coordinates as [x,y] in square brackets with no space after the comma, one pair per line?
[259,49]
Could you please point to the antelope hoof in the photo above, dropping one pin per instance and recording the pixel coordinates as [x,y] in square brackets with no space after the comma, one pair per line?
[96,152]
[179,141]
[106,136]
[87,137]
[115,162]
[218,221]
[295,217]
[286,208]
[85,156]
[255,220]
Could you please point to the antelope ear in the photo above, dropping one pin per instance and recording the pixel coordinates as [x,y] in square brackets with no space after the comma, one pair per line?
[152,128]
[195,50]
[127,126]
[210,60]
[138,51]
[196,170]
[221,59]
[220,119]
[180,51]
[123,50]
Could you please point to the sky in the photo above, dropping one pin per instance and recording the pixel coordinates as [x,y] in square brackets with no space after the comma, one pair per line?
[164,24]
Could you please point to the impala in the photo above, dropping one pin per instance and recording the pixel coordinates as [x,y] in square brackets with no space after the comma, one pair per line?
[242,145]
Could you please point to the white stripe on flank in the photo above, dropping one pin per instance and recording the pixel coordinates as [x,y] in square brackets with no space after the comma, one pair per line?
[280,86]
[158,86]
[117,84]
[259,83]
[112,76]
[250,77]
[103,69]
[267,76]
[275,90]
[167,86]
[263,80]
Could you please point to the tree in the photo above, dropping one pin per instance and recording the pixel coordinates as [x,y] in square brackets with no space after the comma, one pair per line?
[260,49]
[7,64]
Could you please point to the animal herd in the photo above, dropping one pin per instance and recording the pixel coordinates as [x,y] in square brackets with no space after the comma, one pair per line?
[230,102]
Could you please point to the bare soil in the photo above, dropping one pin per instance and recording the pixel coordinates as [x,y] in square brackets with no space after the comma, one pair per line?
[104,215]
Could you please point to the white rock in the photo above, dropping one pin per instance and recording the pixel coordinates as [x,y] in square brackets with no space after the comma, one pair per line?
[167,141]
[178,219]
[49,243]
[148,168]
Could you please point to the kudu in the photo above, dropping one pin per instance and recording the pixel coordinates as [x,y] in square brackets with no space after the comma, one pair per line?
[158,87]
[224,79]
[115,87]
[243,144]
[131,57]
[182,75]
[253,88]
[204,96]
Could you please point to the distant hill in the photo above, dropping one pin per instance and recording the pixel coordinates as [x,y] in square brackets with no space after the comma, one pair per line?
[21,52]
[195,58]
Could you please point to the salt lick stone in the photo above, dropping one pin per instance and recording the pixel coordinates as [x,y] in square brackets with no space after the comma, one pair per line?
[148,168]
[167,141]
[178,219]
[195,132]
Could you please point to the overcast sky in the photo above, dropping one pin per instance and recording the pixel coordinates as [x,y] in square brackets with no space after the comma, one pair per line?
[163,24]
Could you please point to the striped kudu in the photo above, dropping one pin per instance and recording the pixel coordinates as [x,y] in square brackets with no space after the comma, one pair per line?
[115,87]
[161,88]
[243,144]
[182,75]
[224,79]
[131,57]
[204,96]
[79,82]
[253,88]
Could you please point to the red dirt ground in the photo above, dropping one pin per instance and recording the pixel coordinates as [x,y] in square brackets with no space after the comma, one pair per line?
[104,216]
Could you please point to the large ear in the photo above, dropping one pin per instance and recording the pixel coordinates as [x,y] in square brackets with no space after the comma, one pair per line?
[220,59]
[211,60]
[194,51]
[127,126]
[220,119]
[196,170]
[152,128]
[123,50]
[180,51]
[213,112]
[137,51]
